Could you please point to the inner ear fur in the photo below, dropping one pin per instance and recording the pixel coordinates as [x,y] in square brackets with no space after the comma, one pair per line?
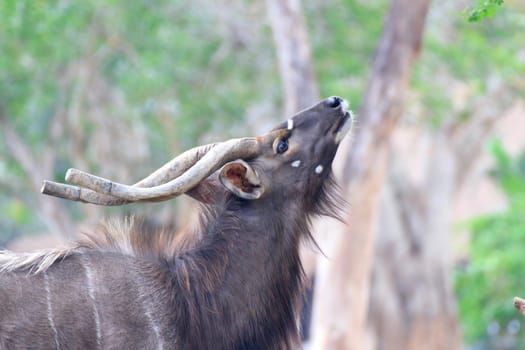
[239,178]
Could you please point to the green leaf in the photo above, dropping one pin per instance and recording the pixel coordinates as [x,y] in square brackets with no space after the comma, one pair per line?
[484,9]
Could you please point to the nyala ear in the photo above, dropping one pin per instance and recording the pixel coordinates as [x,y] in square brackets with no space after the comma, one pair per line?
[240,179]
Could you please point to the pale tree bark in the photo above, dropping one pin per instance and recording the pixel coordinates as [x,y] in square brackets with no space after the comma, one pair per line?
[343,280]
[413,266]
[294,54]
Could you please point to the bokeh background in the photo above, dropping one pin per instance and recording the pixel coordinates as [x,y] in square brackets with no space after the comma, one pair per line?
[434,248]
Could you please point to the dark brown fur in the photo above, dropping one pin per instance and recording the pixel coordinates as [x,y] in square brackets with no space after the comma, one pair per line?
[234,284]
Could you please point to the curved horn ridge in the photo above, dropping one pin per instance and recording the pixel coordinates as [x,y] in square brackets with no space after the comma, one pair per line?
[167,172]
[216,155]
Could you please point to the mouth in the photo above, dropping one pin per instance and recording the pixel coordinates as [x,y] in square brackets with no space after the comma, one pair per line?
[344,124]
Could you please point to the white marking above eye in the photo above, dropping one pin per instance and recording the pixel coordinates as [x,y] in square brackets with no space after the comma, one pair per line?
[290,124]
[319,169]
[296,163]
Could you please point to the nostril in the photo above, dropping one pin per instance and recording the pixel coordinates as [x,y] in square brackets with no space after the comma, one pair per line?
[334,101]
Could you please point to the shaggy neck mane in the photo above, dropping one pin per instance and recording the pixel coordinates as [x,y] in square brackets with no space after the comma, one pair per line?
[245,272]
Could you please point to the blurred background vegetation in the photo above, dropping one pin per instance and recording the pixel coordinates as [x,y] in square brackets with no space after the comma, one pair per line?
[118,87]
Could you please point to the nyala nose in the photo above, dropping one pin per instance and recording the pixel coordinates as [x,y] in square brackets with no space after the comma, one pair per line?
[334,101]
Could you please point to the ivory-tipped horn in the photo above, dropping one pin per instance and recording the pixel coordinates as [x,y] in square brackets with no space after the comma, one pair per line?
[167,172]
[79,194]
[188,170]
[212,161]
[176,167]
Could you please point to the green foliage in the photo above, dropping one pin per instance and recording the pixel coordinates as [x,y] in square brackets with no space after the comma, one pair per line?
[496,270]
[510,173]
[174,70]
[484,9]
[462,65]
[179,71]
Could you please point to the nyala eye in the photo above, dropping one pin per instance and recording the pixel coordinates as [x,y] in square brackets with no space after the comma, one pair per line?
[282,146]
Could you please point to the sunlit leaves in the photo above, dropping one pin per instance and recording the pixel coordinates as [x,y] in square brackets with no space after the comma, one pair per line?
[484,9]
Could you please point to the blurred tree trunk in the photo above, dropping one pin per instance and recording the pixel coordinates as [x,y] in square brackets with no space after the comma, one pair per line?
[341,307]
[412,303]
[294,54]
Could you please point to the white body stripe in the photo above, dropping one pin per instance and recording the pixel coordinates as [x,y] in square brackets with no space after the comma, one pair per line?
[50,311]
[91,293]
[147,306]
